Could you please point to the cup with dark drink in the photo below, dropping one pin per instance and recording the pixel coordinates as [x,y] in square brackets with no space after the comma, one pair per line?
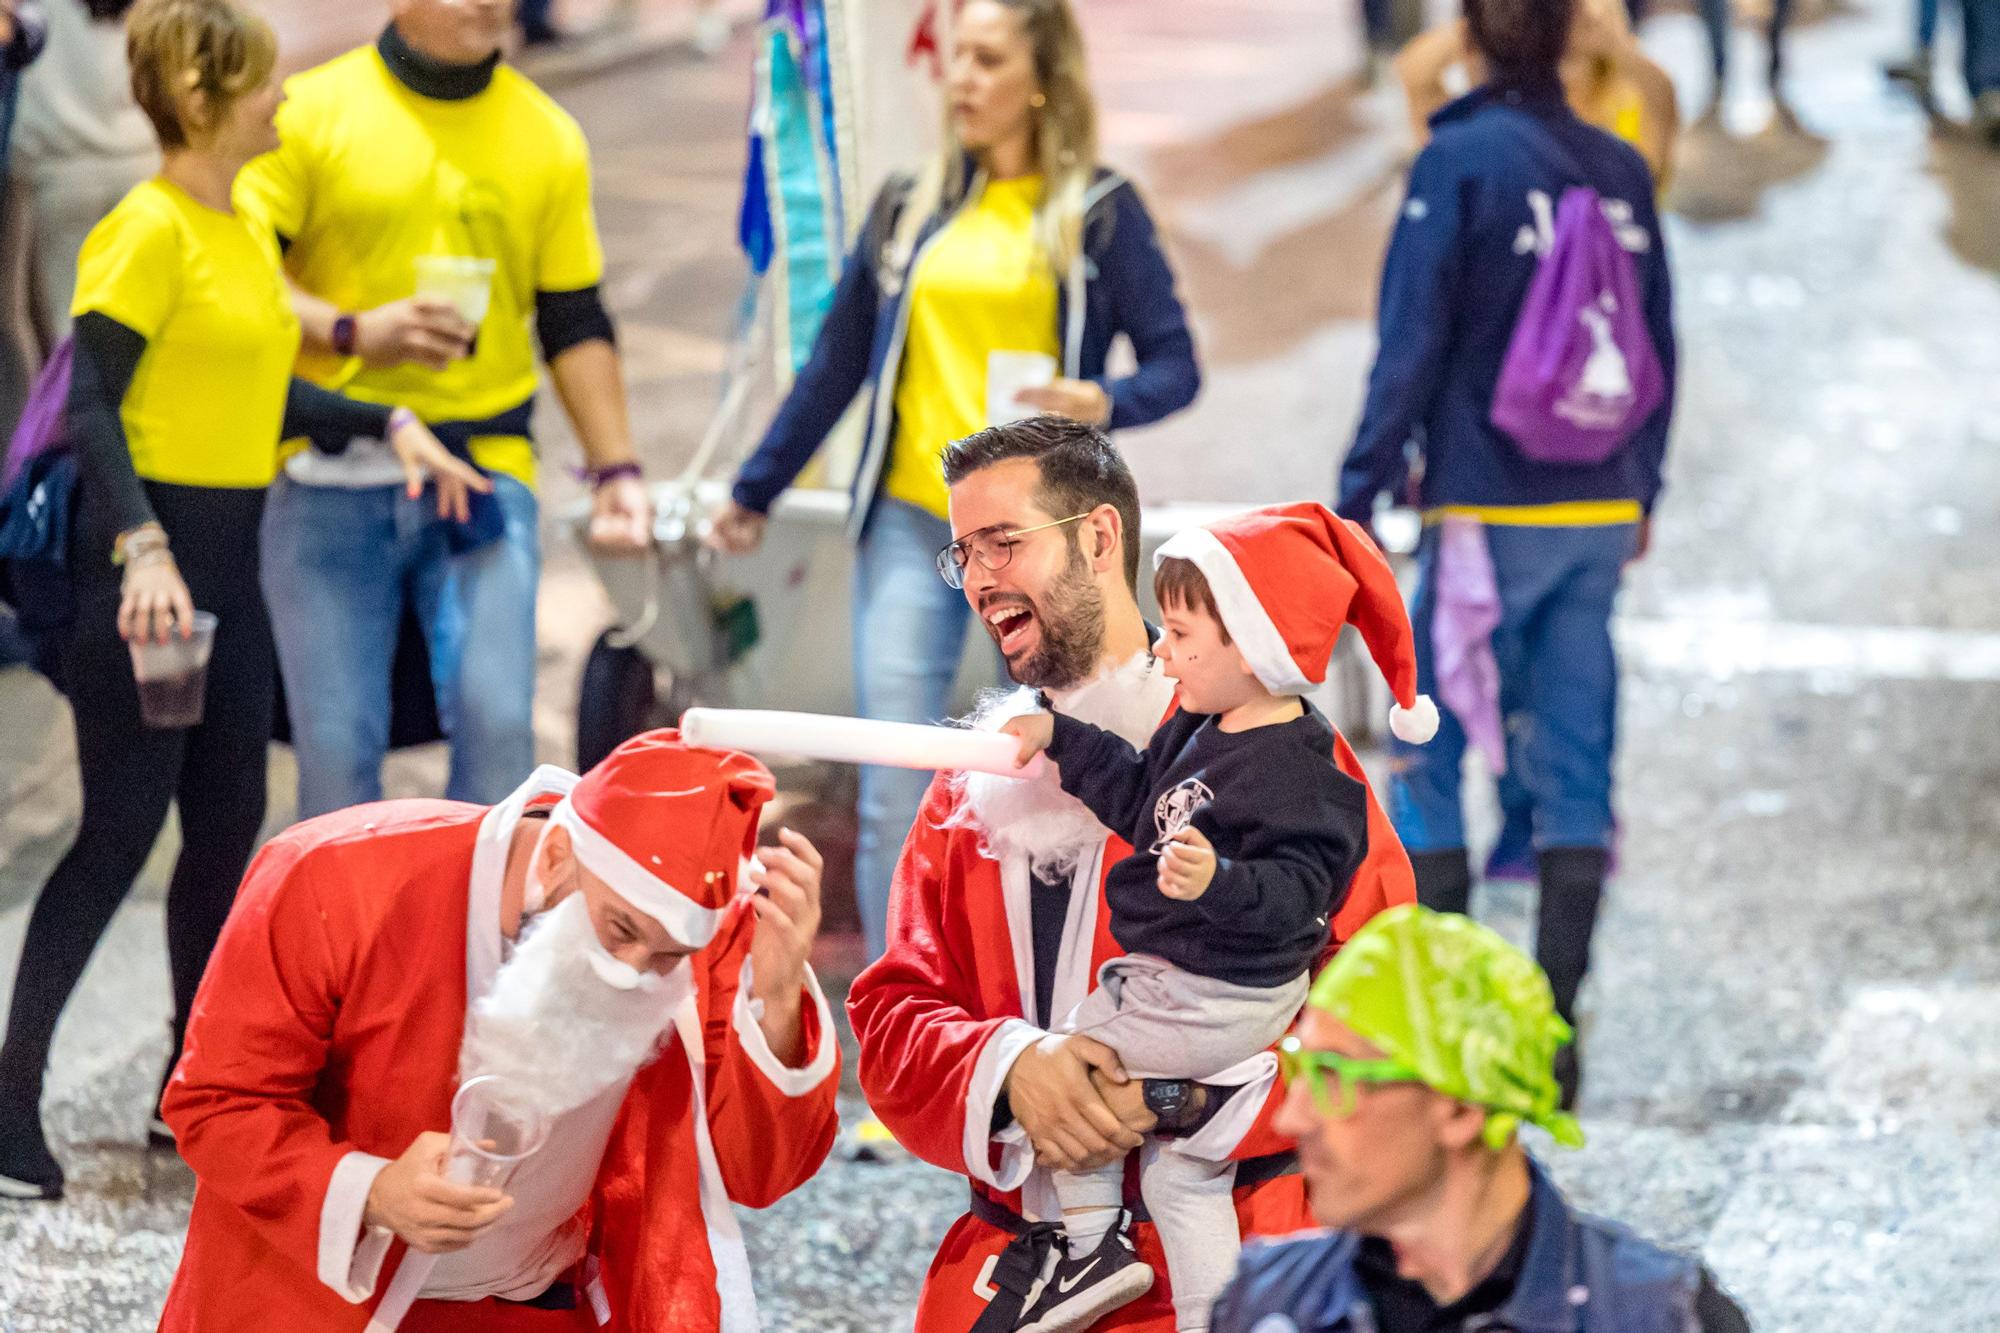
[173,675]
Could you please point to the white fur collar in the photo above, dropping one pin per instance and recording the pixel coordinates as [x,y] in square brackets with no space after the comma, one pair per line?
[1037,818]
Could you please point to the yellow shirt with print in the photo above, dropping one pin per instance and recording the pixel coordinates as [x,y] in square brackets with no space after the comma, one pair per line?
[202,287]
[982,285]
[371,175]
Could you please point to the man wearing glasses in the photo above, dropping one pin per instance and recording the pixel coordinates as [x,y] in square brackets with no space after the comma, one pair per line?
[1426,1044]
[997,919]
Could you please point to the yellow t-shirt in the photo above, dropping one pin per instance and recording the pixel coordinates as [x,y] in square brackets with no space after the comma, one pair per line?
[207,399]
[981,286]
[370,175]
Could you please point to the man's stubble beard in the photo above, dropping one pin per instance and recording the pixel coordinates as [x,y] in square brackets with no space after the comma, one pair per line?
[1071,620]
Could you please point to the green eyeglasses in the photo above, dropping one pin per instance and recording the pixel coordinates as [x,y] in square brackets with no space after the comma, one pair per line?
[1296,1062]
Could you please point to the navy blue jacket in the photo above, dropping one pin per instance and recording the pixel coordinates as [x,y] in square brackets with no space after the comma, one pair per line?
[1119,284]
[1459,267]
[1579,1275]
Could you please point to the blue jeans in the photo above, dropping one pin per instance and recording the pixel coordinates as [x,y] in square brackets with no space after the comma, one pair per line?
[1558,681]
[909,634]
[1982,46]
[339,567]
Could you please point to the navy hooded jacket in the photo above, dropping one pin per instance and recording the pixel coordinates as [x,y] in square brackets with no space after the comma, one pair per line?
[1119,284]
[1460,263]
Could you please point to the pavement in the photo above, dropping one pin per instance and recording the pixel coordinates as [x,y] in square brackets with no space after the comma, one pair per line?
[1792,1067]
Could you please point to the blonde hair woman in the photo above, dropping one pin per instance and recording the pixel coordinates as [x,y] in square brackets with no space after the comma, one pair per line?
[1003,271]
[1610,82]
[182,381]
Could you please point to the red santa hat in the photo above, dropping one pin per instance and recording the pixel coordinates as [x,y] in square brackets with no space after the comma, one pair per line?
[668,827]
[1286,579]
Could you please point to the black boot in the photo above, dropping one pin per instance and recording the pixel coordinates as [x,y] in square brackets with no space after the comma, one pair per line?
[28,1170]
[1572,888]
[1444,879]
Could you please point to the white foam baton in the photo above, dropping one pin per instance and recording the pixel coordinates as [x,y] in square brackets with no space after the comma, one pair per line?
[856,740]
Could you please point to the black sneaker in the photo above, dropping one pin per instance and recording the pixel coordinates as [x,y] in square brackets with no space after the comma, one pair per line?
[1083,1289]
[28,1170]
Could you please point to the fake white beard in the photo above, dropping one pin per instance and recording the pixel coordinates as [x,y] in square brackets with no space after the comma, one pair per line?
[564,1019]
[1036,818]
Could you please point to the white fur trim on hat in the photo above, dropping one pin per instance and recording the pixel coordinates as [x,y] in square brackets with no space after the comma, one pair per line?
[687,921]
[1414,725]
[1248,623]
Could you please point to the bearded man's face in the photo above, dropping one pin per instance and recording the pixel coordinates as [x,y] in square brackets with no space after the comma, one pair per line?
[1042,608]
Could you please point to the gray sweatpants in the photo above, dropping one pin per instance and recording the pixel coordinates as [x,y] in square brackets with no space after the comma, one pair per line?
[1167,1023]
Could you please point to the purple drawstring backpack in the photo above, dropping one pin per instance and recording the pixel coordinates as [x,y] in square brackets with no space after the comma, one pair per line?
[40,429]
[1581,374]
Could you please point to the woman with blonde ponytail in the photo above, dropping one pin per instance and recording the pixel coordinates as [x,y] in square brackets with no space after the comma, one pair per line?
[989,286]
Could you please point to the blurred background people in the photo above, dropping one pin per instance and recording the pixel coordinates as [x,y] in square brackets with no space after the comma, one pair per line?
[1611,83]
[1015,247]
[420,147]
[182,381]
[1550,540]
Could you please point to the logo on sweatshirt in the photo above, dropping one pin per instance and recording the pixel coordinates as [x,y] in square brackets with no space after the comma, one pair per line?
[1176,809]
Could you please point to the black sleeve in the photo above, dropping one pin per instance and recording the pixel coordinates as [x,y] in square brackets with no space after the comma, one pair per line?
[564,319]
[1104,771]
[106,355]
[328,419]
[1715,1311]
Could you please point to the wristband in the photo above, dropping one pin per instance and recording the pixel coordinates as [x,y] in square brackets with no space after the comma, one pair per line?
[598,476]
[400,417]
[344,332]
[139,543]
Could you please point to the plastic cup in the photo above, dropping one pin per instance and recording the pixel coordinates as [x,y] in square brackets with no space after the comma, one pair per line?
[173,676]
[1007,373]
[492,1132]
[464,282]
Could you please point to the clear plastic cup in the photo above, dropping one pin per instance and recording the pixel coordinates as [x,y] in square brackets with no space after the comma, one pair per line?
[466,283]
[493,1130]
[173,675]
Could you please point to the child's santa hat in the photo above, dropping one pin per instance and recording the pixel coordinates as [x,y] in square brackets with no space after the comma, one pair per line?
[668,827]
[1286,579]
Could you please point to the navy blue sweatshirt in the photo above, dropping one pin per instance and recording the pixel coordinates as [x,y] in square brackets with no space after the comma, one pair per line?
[1288,827]
[1460,263]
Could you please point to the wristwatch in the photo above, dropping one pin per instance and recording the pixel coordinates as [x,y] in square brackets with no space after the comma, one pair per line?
[343,334]
[1172,1101]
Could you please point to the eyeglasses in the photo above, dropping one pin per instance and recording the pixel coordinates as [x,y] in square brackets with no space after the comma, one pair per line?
[992,547]
[1296,1062]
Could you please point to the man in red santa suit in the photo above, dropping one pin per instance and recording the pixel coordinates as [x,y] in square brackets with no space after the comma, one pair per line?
[607,947]
[997,918]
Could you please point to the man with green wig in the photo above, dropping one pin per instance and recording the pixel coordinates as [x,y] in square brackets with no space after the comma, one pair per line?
[1425,1045]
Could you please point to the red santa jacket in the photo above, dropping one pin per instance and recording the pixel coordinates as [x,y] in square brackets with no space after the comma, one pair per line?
[943,1014]
[328,1025]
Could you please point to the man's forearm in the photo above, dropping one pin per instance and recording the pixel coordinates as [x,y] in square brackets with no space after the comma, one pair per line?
[783,1026]
[316,317]
[590,379]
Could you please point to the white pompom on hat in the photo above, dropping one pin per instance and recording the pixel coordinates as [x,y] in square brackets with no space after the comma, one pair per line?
[1286,579]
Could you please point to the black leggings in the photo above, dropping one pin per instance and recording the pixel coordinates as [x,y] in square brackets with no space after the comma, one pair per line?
[215,772]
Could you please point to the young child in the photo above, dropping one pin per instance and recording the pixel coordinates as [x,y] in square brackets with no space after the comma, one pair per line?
[1245,834]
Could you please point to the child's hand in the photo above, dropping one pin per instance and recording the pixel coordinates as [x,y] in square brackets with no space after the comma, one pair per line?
[1034,731]
[1187,865]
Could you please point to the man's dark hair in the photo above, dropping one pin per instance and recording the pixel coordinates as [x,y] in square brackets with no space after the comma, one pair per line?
[1080,470]
[1520,37]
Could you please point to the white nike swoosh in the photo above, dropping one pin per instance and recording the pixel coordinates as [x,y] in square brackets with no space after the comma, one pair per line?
[1065,1286]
